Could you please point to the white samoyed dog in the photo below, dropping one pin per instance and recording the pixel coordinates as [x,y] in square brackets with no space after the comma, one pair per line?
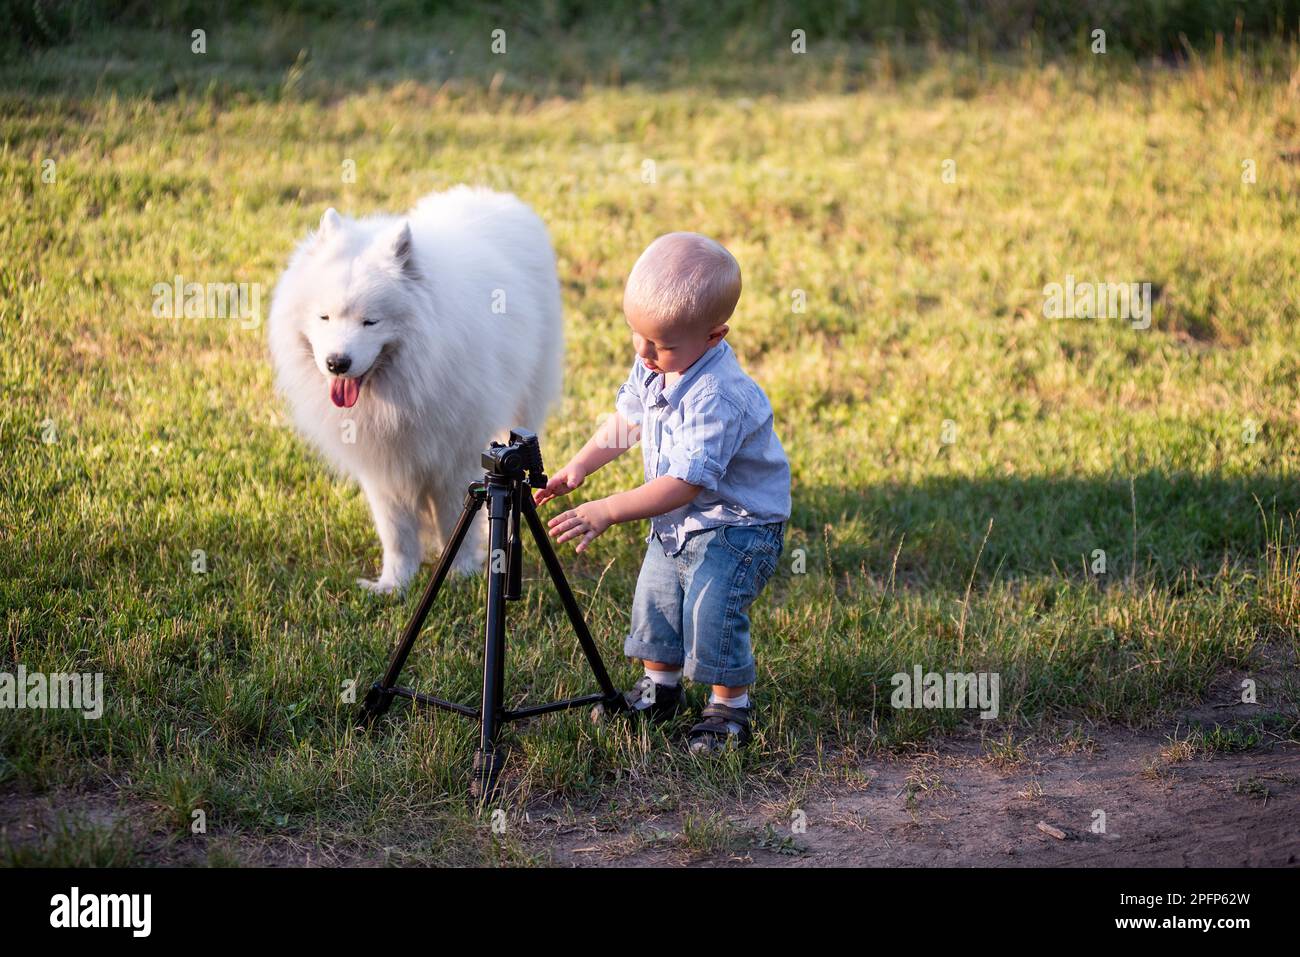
[405,344]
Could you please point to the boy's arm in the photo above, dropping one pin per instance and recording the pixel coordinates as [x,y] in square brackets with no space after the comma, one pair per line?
[614,437]
[653,498]
[697,463]
[621,429]
[592,518]
[611,440]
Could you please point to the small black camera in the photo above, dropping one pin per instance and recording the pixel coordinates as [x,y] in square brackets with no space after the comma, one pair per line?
[523,454]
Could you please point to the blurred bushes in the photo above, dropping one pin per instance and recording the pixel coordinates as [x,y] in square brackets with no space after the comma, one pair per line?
[1142,27]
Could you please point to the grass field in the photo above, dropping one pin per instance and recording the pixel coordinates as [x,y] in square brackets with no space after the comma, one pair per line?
[957,457]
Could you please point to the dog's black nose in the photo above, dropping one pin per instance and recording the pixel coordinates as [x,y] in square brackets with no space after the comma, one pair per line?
[338,364]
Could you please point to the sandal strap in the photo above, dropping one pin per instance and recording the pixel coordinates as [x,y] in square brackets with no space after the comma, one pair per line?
[713,709]
[716,716]
[639,689]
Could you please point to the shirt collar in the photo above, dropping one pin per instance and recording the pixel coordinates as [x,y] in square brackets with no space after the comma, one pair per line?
[654,383]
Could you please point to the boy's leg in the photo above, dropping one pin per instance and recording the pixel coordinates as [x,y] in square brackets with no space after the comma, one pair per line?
[727,574]
[664,676]
[655,636]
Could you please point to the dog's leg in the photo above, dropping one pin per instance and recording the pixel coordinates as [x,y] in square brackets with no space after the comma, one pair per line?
[431,540]
[449,502]
[397,519]
[473,554]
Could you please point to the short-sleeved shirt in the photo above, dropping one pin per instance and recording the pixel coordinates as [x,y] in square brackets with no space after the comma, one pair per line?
[713,427]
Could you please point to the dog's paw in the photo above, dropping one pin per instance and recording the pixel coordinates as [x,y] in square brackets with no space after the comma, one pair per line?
[378,586]
[464,565]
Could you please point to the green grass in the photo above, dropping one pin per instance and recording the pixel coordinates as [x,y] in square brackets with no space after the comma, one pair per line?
[821,174]
[1259,732]
[69,842]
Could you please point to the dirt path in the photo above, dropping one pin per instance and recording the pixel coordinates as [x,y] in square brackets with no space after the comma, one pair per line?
[1167,801]
[960,810]
[1218,785]
[1164,805]
[954,807]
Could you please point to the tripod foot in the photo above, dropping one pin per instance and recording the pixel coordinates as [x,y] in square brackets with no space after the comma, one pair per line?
[614,704]
[375,704]
[483,785]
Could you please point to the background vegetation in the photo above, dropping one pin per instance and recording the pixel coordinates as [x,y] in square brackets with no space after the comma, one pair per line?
[1173,449]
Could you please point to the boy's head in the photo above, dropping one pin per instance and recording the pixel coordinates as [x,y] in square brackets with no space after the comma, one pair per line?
[678,298]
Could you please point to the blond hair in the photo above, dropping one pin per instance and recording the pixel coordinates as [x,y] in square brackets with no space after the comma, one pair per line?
[684,280]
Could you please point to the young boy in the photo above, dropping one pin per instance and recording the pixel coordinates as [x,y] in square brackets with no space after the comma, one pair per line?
[717,487]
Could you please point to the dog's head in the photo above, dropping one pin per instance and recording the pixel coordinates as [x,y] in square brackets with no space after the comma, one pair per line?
[357,297]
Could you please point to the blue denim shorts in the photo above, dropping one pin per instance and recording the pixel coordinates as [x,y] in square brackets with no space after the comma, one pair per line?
[691,609]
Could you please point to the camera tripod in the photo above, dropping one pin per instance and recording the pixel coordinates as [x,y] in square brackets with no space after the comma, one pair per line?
[511,471]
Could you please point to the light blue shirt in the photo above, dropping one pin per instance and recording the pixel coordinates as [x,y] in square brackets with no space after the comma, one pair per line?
[712,427]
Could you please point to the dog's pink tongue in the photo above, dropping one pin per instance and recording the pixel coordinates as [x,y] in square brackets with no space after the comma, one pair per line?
[344,392]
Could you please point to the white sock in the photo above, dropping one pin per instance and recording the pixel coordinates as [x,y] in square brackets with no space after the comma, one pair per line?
[665,679]
[740,701]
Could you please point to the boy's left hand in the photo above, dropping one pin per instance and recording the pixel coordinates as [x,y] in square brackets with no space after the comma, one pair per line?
[587,520]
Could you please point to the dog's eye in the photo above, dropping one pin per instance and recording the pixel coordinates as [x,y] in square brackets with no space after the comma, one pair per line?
[324,318]
[368,322]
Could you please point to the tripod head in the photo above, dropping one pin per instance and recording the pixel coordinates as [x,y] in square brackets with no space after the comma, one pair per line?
[522,455]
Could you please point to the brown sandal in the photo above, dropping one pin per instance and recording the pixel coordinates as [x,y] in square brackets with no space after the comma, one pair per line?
[719,728]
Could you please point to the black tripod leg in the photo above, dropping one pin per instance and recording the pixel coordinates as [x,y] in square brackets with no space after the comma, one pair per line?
[489,758]
[570,604]
[515,558]
[380,695]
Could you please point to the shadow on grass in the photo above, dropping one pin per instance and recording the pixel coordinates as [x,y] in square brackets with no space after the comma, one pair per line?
[1168,529]
[1163,526]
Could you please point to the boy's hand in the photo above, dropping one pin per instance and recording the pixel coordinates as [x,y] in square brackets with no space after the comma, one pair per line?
[561,483]
[587,520]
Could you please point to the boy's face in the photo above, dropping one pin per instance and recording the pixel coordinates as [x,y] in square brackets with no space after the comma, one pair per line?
[669,349]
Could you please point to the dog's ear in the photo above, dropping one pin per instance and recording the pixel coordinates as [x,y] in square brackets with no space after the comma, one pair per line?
[330,223]
[401,250]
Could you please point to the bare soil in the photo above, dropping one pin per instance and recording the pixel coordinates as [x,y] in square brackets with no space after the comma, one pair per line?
[1033,802]
[1064,796]
[959,807]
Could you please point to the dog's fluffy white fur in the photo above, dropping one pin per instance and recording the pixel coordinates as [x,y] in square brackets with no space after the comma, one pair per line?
[443,332]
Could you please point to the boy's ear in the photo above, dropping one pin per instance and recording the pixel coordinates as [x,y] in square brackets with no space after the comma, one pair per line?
[718,333]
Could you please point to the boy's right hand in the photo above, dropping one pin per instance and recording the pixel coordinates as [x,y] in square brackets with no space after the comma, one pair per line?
[561,483]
